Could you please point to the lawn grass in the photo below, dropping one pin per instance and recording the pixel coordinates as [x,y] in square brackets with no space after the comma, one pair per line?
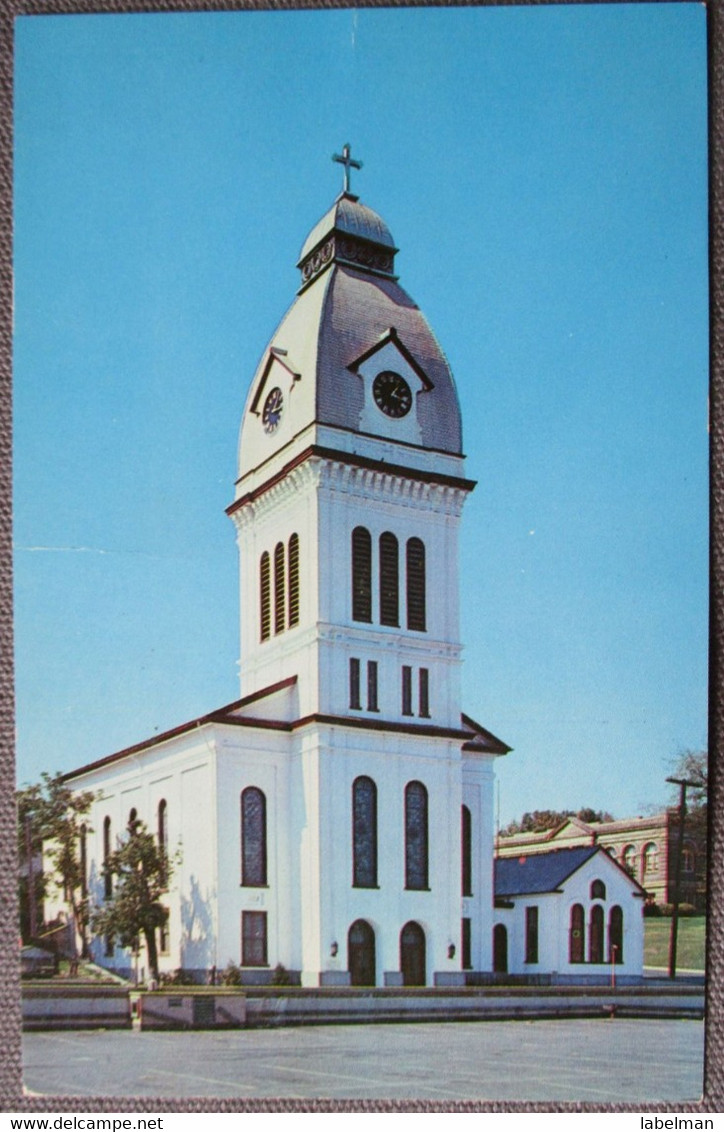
[691,942]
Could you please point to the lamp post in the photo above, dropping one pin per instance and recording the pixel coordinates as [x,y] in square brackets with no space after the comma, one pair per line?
[682,783]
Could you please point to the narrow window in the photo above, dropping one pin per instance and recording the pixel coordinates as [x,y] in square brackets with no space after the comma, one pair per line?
[163,833]
[531,934]
[83,861]
[354,688]
[364,833]
[293,563]
[107,879]
[163,933]
[361,575]
[372,686]
[650,859]
[598,890]
[265,596]
[279,588]
[416,843]
[389,580]
[424,690]
[467,852]
[406,690]
[577,935]
[615,935]
[467,949]
[416,614]
[253,939]
[629,860]
[595,935]
[253,837]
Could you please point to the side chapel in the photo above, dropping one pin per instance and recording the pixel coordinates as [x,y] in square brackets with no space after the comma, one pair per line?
[338,818]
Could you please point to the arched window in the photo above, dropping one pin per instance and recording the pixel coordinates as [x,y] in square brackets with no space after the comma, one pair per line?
[265,596]
[687,859]
[364,833]
[629,860]
[595,935]
[389,580]
[293,564]
[467,852]
[253,837]
[361,575]
[162,827]
[615,935]
[611,850]
[577,935]
[132,818]
[598,890]
[83,860]
[108,879]
[416,613]
[279,588]
[416,849]
[650,859]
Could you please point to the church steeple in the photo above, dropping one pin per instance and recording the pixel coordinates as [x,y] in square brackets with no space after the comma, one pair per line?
[349,163]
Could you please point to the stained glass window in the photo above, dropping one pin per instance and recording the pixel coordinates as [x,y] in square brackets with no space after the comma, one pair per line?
[416,847]
[467,852]
[364,833]
[253,837]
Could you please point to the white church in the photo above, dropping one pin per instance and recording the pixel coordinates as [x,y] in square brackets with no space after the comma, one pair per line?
[338,818]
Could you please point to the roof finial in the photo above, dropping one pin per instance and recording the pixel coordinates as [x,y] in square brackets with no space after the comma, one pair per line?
[348,162]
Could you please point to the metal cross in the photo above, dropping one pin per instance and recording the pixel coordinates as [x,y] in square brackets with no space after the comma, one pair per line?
[348,162]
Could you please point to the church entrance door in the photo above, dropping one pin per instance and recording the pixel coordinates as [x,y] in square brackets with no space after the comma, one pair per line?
[500,949]
[361,954]
[412,955]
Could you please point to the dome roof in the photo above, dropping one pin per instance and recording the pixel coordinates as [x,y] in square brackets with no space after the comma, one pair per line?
[349,216]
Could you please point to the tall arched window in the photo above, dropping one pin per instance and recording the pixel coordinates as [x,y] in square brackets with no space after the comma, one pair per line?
[416,847]
[361,575]
[279,588]
[253,837]
[162,827]
[364,833]
[629,860]
[467,852]
[416,605]
[265,596]
[687,859]
[108,879]
[577,935]
[650,859]
[389,580]
[615,935]
[595,935]
[293,564]
[598,890]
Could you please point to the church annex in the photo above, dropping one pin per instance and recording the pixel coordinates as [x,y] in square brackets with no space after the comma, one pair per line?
[338,818]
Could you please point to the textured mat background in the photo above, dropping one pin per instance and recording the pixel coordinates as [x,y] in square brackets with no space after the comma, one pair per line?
[11,1097]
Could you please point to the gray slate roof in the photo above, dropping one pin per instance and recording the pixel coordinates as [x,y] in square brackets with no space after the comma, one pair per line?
[540,872]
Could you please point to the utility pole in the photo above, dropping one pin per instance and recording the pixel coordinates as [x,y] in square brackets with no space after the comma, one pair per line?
[682,783]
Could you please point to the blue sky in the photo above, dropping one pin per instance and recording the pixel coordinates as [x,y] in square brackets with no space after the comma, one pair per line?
[543,171]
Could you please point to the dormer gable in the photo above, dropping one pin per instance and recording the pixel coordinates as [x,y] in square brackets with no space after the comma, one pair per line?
[392,380]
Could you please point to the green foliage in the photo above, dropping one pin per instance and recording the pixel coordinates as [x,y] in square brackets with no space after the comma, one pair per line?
[231,975]
[538,821]
[140,870]
[51,819]
[178,978]
[280,976]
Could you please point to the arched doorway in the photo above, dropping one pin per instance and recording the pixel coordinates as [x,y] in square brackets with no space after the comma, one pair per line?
[500,949]
[361,954]
[412,955]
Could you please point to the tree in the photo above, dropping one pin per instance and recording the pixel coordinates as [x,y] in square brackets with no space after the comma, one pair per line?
[540,820]
[51,820]
[140,870]
[693,766]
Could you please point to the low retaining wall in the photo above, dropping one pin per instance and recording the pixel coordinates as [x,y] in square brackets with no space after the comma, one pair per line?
[77,1008]
[163,1011]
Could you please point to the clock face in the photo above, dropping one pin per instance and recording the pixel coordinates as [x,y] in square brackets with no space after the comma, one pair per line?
[392,394]
[272,412]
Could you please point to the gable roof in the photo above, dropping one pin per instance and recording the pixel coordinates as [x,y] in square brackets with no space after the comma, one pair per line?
[540,872]
[481,739]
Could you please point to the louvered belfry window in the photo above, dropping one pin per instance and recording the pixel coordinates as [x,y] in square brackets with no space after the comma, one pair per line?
[389,580]
[416,848]
[361,574]
[416,605]
[364,833]
[253,837]
[293,562]
[265,596]
[279,588]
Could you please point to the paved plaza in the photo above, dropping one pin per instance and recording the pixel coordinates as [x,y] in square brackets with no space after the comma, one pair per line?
[565,1060]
